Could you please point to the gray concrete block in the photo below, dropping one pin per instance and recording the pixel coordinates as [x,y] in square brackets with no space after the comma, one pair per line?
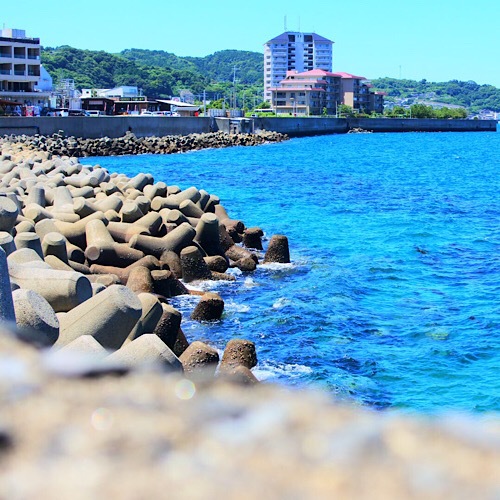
[7,312]
[109,317]
[146,350]
[35,318]
[8,214]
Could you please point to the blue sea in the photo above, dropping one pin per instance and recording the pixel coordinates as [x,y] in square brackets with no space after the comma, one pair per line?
[392,299]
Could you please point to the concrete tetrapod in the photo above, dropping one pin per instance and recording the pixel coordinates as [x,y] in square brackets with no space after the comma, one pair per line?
[36,320]
[150,315]
[29,240]
[278,250]
[75,232]
[123,273]
[193,266]
[87,346]
[140,280]
[25,226]
[181,237]
[252,238]
[173,262]
[7,312]
[130,211]
[7,242]
[102,248]
[207,234]
[63,290]
[189,209]
[148,349]
[8,214]
[123,231]
[55,244]
[167,285]
[231,224]
[209,308]
[239,352]
[199,360]
[168,325]
[109,317]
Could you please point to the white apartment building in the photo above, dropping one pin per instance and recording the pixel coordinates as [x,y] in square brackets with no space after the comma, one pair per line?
[20,69]
[297,51]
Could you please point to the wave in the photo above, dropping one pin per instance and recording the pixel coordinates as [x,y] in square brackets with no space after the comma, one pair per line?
[271,371]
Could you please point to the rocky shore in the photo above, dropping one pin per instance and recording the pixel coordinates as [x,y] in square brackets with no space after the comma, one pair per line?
[129,144]
[103,396]
[93,257]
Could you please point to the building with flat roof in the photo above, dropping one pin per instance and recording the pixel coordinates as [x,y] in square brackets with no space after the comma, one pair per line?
[297,51]
[20,69]
[319,92]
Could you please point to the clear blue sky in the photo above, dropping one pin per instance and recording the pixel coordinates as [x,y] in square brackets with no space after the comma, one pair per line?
[438,40]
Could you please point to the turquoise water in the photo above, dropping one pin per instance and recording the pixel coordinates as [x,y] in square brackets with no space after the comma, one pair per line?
[393,296]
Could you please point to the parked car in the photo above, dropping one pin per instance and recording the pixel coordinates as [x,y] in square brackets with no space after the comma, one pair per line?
[78,112]
[54,112]
[95,112]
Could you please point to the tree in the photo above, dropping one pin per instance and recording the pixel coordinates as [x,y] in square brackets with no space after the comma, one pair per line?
[422,111]
[345,110]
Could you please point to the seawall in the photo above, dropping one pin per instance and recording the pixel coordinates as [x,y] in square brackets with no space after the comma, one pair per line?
[106,126]
[147,126]
[299,127]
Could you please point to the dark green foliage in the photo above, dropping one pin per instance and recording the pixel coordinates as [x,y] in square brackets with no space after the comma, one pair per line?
[469,94]
[156,72]
[423,111]
[162,74]
[217,67]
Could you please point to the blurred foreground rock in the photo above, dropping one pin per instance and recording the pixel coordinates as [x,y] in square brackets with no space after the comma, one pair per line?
[151,435]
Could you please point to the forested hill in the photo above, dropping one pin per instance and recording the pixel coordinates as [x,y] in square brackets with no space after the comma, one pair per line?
[222,66]
[162,74]
[158,73]
[468,94]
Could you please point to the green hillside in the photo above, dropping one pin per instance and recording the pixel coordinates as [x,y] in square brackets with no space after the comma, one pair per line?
[162,74]
[468,94]
[157,73]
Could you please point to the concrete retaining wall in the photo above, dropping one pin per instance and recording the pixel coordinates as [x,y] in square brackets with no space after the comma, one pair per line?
[299,127]
[421,125]
[106,126]
[147,126]
[296,127]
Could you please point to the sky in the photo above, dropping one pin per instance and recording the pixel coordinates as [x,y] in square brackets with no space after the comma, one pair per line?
[436,40]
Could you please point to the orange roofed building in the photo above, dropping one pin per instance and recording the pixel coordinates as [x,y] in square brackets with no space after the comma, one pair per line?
[319,92]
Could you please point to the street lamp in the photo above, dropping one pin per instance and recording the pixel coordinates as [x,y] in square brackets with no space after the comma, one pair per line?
[292,99]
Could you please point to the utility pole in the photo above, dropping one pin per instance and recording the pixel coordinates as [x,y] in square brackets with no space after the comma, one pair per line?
[234,86]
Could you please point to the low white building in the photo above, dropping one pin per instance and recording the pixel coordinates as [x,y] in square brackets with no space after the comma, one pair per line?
[21,70]
[122,91]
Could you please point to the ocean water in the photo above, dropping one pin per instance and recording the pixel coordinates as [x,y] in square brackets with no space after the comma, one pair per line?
[392,299]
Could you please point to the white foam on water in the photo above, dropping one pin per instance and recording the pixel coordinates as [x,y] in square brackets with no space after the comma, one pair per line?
[249,283]
[232,306]
[271,371]
[281,302]
[276,266]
